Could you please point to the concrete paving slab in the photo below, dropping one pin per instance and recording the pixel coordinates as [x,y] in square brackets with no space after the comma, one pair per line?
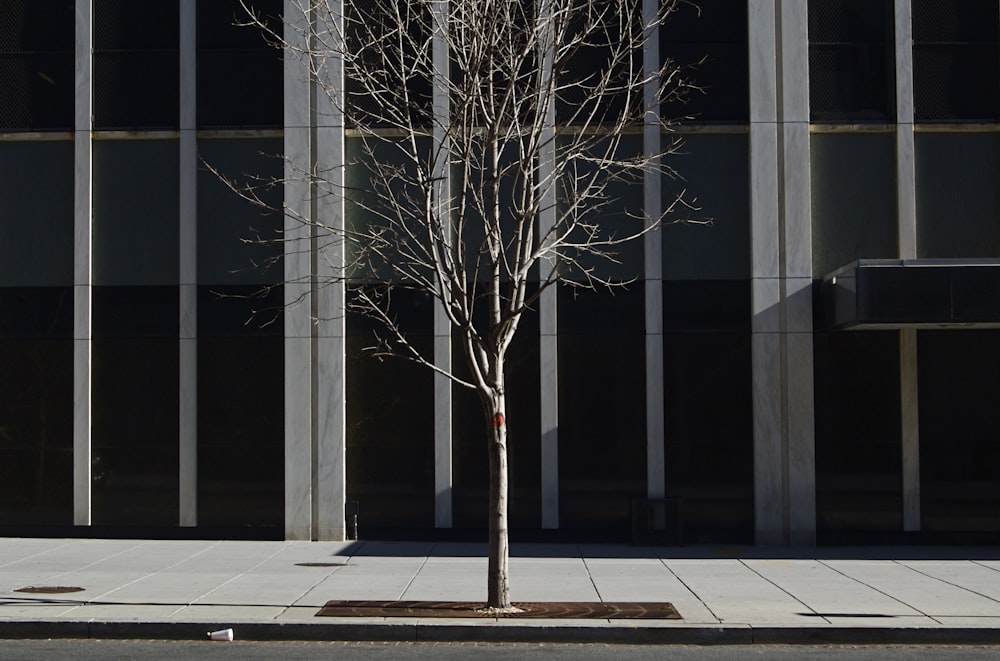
[921,592]
[197,613]
[826,591]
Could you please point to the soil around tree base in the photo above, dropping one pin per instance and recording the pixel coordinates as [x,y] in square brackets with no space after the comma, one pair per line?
[548,609]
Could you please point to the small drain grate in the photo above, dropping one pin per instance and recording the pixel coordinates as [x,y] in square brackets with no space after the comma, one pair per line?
[49,589]
[320,564]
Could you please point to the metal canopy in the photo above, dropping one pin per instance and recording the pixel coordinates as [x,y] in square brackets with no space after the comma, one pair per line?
[873,294]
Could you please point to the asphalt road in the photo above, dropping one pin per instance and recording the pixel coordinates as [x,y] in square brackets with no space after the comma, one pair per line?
[120,650]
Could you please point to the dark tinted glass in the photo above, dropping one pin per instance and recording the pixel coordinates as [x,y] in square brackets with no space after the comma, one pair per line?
[36,208]
[710,41]
[135,430]
[36,65]
[390,425]
[135,212]
[708,432]
[229,227]
[715,181]
[602,410]
[956,60]
[239,72]
[858,442]
[36,438]
[853,198]
[851,60]
[136,65]
[241,454]
[957,201]
[959,374]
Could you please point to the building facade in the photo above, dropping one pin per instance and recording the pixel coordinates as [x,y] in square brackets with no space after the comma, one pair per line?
[819,363]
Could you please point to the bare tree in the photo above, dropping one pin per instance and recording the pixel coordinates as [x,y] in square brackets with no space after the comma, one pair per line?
[492,132]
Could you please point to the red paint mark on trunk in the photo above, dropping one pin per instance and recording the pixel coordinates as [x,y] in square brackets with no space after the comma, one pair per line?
[498,420]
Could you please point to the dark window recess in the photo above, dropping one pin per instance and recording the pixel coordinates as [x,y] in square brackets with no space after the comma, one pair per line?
[36,66]
[858,442]
[956,60]
[239,71]
[851,61]
[710,42]
[136,70]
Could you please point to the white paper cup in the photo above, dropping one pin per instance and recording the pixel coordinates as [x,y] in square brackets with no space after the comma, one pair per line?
[221,634]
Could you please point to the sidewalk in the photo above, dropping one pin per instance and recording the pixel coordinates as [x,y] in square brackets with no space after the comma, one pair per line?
[182,589]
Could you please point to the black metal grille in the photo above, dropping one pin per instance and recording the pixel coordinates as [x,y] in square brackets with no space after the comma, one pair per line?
[956,60]
[851,60]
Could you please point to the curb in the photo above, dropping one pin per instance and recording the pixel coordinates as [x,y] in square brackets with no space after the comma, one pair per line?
[558,632]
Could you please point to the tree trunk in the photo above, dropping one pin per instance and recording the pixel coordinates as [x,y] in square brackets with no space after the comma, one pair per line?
[498,578]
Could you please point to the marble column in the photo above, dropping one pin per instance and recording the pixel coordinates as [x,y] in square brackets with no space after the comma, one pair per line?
[796,242]
[188,270]
[82,262]
[769,466]
[297,279]
[330,342]
[906,203]
[781,264]
[653,272]
[548,348]
[442,326]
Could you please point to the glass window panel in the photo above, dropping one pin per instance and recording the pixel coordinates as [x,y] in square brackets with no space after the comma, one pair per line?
[711,38]
[958,202]
[956,60]
[136,64]
[602,418]
[36,432]
[226,222]
[618,212]
[36,205]
[390,426]
[36,312]
[36,66]
[959,379]
[853,198]
[708,428]
[241,453]
[378,171]
[135,311]
[590,75]
[715,178]
[135,212]
[694,305]
[858,442]
[239,73]
[135,431]
[851,60]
